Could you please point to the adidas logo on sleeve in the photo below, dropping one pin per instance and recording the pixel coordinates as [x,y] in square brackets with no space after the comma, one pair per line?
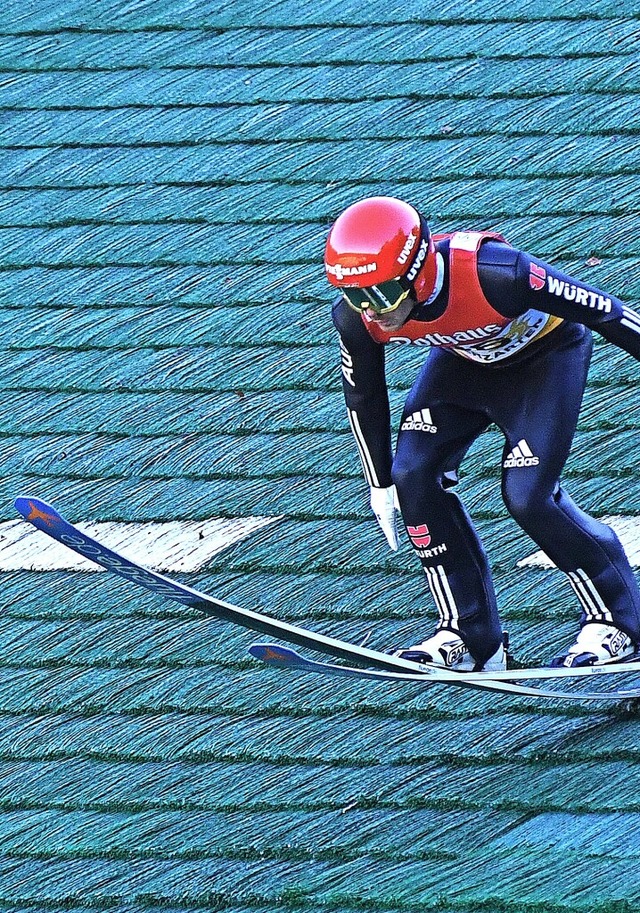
[521,455]
[419,421]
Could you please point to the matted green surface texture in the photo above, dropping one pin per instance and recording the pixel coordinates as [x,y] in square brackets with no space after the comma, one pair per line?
[168,172]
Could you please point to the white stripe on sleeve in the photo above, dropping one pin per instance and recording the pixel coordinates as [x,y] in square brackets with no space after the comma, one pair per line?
[365,457]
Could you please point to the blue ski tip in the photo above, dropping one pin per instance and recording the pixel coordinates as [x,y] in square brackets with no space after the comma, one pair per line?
[38,512]
[273,654]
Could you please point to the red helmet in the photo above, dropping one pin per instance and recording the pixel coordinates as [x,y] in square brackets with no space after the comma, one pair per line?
[375,242]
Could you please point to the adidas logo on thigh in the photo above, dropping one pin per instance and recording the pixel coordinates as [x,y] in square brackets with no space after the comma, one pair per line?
[419,421]
[520,456]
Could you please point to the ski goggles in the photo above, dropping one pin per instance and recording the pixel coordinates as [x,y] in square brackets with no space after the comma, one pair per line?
[381,298]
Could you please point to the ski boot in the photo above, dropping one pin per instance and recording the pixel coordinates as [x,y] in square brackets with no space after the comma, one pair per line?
[595,645]
[446,648]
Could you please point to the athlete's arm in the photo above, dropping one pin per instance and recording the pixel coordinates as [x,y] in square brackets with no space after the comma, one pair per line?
[514,282]
[365,392]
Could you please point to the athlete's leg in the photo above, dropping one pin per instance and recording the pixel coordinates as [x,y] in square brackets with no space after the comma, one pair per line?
[539,423]
[434,430]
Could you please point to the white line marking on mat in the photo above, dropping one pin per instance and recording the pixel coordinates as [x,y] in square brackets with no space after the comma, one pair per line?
[176,545]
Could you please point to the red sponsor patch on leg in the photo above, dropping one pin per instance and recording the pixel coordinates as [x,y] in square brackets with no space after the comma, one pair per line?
[419,535]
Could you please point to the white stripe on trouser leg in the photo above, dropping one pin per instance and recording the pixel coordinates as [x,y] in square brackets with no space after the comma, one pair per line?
[590,599]
[630,319]
[444,600]
[365,457]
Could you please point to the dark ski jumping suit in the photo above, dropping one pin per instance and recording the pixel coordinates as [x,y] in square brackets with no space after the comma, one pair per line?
[509,344]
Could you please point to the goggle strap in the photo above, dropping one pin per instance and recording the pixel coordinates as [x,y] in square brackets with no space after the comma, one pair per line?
[420,255]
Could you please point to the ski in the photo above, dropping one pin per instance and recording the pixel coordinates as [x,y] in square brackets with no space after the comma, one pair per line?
[504,682]
[47,519]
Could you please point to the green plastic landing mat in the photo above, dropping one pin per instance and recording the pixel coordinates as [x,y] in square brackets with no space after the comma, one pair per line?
[169,371]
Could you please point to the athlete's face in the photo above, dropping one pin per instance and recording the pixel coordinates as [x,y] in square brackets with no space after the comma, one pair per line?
[392,320]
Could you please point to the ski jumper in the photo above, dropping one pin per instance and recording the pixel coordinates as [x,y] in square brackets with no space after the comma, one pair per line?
[508,344]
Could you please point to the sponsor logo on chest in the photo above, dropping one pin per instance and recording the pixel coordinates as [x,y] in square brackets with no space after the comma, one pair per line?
[460,337]
[457,338]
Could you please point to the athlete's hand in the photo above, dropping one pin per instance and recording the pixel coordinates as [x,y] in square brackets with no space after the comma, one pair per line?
[384,504]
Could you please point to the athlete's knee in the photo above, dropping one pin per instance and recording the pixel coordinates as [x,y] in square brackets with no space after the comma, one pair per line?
[525,500]
[412,472]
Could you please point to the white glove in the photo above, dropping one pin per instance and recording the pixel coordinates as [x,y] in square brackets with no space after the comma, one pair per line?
[384,504]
